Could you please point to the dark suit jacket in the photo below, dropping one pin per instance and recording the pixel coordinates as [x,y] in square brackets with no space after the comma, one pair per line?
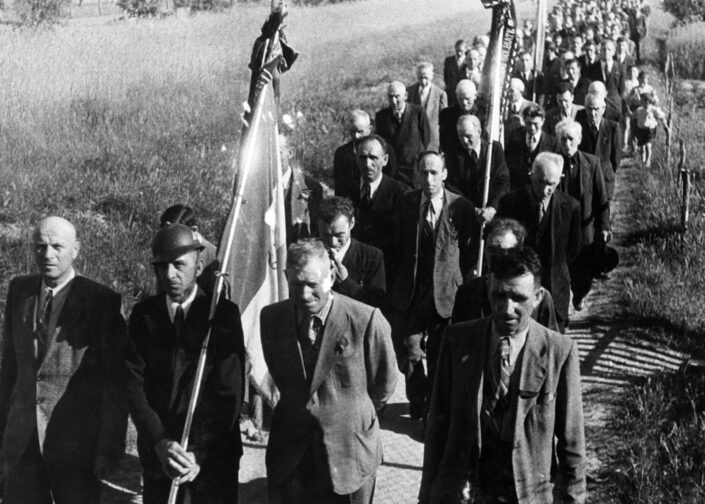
[375,225]
[452,74]
[366,281]
[408,138]
[581,90]
[453,253]
[557,246]
[553,117]
[302,199]
[161,370]
[335,416]
[529,85]
[594,203]
[76,397]
[468,179]
[548,404]
[436,101]
[472,301]
[607,147]
[614,82]
[520,158]
[345,167]
[515,118]
[447,129]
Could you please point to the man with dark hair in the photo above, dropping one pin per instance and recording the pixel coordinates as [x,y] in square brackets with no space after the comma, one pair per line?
[506,411]
[166,332]
[332,359]
[552,221]
[472,301]
[590,55]
[359,268]
[566,107]
[375,195]
[580,83]
[435,232]
[524,144]
[532,79]
[453,70]
[63,415]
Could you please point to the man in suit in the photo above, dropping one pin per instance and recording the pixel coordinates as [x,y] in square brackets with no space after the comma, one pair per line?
[375,196]
[553,225]
[453,71]
[358,267]
[302,195]
[405,127]
[516,107]
[622,55]
[466,96]
[534,87]
[583,180]
[430,97]
[466,172]
[609,71]
[435,232]
[472,68]
[566,108]
[525,144]
[506,411]
[165,336]
[602,138]
[580,83]
[332,359]
[472,301]
[590,55]
[63,416]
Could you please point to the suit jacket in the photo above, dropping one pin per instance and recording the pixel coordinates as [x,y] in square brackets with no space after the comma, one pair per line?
[408,138]
[302,199]
[161,369]
[607,147]
[335,415]
[614,82]
[580,91]
[468,179]
[447,129]
[436,101]
[553,117]
[549,404]
[452,74]
[520,158]
[453,250]
[472,301]
[556,246]
[375,224]
[529,85]
[345,167]
[75,396]
[515,117]
[366,281]
[592,196]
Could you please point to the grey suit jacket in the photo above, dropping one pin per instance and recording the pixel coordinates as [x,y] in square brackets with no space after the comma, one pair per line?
[355,375]
[549,404]
[436,101]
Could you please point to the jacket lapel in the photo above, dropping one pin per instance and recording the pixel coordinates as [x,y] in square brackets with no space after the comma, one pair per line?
[473,362]
[28,307]
[533,372]
[333,332]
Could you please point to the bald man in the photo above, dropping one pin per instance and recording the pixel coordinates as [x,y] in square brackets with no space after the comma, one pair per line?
[466,97]
[63,416]
[404,126]
[552,222]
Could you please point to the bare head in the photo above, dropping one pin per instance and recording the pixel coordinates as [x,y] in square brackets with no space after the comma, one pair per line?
[546,174]
[396,94]
[359,124]
[55,248]
[424,73]
[595,108]
[469,131]
[466,93]
[597,88]
[569,133]
[516,88]
[432,170]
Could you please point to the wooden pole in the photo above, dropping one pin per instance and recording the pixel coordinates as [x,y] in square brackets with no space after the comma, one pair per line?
[685,177]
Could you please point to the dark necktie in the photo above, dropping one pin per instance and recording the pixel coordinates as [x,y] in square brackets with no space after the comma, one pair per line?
[309,341]
[43,325]
[179,320]
[473,157]
[366,194]
[593,132]
[428,214]
[496,398]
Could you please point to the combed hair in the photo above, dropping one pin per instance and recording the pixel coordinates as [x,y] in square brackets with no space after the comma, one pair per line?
[357,114]
[459,42]
[534,111]
[500,226]
[516,262]
[374,137]
[301,252]
[567,124]
[178,214]
[332,208]
[564,86]
[545,158]
[423,65]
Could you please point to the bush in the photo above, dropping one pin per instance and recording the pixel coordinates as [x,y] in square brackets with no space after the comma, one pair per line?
[687,44]
[139,8]
[40,12]
[686,11]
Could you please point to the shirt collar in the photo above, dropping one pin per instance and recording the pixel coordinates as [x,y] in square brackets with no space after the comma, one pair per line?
[322,314]
[58,288]
[374,185]
[172,305]
[436,202]
[516,343]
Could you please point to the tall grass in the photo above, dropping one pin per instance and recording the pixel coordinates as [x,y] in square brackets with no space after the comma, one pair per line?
[687,44]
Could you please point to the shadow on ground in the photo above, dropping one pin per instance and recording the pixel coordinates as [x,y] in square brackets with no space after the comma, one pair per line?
[395,418]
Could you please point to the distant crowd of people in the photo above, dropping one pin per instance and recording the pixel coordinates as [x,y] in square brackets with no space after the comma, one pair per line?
[383,277]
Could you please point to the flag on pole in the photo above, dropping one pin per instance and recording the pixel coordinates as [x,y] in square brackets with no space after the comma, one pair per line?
[256,263]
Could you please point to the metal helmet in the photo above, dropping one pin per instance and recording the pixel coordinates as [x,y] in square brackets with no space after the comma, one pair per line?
[172,241]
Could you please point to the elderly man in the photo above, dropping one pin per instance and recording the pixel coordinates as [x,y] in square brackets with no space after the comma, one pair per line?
[609,71]
[613,112]
[552,222]
[516,108]
[435,231]
[506,411]
[565,108]
[430,97]
[583,180]
[333,361]
[453,70]
[345,157]
[359,268]
[472,301]
[601,137]
[405,127]
[532,80]
[63,415]
[472,68]
[466,95]
[525,144]
[466,171]
[375,195]
[166,332]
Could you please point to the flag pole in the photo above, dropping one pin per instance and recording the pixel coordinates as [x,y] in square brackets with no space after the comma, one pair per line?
[247,159]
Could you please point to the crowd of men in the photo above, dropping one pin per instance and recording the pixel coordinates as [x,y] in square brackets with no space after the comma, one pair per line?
[383,277]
